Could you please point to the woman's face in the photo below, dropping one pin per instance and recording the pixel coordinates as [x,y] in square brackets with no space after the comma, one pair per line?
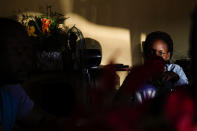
[161,49]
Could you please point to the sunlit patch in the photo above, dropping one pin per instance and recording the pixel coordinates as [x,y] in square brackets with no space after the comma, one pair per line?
[111,38]
[115,41]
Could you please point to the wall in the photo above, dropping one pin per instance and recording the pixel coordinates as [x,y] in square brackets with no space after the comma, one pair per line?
[142,16]
[137,16]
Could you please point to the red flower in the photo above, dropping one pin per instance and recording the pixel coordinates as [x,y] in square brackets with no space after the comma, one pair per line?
[180,110]
[45,24]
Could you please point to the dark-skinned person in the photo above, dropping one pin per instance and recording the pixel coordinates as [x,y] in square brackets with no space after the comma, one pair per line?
[161,44]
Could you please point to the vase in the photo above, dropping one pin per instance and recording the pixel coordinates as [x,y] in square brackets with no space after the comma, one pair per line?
[50,61]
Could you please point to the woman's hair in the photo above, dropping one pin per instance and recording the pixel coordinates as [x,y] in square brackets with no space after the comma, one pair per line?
[154,36]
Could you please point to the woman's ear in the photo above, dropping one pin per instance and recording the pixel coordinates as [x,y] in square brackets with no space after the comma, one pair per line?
[168,56]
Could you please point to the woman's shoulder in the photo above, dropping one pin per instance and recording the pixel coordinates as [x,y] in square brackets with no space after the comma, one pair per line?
[171,67]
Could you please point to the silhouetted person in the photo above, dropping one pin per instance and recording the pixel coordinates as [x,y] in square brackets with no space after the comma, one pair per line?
[16,61]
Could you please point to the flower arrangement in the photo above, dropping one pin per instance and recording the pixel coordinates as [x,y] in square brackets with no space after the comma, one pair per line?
[55,44]
[47,30]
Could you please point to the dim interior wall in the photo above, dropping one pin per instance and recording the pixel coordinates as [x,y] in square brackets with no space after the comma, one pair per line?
[142,16]
[114,41]
[10,7]
[138,16]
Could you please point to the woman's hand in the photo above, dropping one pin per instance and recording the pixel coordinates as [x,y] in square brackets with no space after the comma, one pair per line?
[170,76]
